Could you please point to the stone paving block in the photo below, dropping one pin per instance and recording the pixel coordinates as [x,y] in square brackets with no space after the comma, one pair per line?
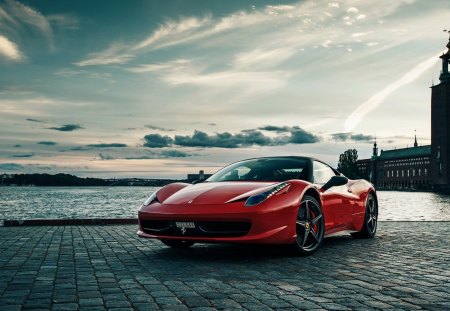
[109,267]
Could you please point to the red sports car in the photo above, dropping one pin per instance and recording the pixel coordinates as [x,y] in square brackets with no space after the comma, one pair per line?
[274,200]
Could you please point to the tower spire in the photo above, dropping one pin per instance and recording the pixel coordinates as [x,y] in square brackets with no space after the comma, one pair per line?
[375,148]
[445,75]
[415,139]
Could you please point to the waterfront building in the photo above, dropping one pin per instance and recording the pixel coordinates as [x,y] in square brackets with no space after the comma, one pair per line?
[418,167]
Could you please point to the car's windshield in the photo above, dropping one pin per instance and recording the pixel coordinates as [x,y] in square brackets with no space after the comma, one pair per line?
[264,169]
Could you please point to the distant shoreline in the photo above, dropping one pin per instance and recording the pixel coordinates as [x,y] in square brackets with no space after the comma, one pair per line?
[67,180]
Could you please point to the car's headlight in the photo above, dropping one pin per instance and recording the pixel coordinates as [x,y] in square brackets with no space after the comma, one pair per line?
[261,197]
[152,198]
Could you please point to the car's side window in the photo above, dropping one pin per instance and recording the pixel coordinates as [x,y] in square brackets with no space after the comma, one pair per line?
[322,172]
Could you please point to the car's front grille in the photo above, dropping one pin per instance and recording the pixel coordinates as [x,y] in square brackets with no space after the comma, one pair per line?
[202,228]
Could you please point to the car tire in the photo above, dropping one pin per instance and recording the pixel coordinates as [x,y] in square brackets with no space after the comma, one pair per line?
[309,226]
[178,243]
[370,219]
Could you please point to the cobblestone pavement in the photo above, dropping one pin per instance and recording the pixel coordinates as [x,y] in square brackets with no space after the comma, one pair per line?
[108,267]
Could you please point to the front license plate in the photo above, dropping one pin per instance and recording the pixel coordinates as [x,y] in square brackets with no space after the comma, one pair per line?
[185,224]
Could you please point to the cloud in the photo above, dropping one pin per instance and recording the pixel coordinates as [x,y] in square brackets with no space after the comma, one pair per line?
[244,139]
[48,143]
[163,154]
[11,167]
[153,127]
[263,58]
[111,145]
[115,54]
[342,137]
[157,141]
[26,155]
[361,137]
[372,103]
[35,120]
[67,128]
[274,128]
[67,21]
[173,31]
[78,148]
[9,50]
[105,156]
[19,14]
[17,146]
[300,136]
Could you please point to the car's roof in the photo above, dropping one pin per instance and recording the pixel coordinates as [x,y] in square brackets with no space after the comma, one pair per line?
[282,157]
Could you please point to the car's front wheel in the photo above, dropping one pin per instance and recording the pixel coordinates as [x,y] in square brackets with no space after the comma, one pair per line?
[370,220]
[178,243]
[310,227]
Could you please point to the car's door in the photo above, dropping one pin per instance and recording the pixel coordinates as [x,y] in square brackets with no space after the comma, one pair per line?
[337,201]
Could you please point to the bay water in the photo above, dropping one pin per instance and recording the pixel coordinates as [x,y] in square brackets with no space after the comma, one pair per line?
[124,202]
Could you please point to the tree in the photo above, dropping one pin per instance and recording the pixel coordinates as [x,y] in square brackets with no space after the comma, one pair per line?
[347,163]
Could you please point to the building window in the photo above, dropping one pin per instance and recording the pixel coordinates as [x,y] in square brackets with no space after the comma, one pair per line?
[397,173]
[426,172]
[414,172]
[388,174]
[403,173]
[408,172]
[420,171]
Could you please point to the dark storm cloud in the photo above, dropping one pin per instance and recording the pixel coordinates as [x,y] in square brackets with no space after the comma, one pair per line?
[245,138]
[153,127]
[340,137]
[220,140]
[361,137]
[274,128]
[300,136]
[249,137]
[157,141]
[78,148]
[164,154]
[10,166]
[112,145]
[25,155]
[35,120]
[17,146]
[48,143]
[297,134]
[67,128]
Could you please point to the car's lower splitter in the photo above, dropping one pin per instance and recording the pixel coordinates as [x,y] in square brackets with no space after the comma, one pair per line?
[195,228]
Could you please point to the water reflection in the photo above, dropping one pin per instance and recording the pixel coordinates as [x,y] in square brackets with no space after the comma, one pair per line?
[123,202]
[396,205]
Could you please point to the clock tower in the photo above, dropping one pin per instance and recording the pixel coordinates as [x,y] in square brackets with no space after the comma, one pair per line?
[440,127]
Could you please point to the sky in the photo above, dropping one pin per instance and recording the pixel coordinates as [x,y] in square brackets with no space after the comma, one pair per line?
[160,89]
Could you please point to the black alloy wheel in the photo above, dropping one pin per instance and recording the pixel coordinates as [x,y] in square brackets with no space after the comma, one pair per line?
[310,227]
[178,243]
[370,220]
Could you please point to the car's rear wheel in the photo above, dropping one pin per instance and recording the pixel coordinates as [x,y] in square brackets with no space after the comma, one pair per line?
[178,243]
[310,227]
[370,220]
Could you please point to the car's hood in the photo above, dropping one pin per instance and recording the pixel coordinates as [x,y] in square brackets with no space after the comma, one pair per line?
[216,192]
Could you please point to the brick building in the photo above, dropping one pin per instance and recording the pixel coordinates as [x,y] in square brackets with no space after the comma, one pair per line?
[418,167]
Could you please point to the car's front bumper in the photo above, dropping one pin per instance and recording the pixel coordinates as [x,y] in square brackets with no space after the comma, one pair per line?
[219,223]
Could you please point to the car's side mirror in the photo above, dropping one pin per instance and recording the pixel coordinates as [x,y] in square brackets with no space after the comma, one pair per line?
[334,182]
[197,181]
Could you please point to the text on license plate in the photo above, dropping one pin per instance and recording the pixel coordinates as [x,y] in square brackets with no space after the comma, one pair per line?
[185,224]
